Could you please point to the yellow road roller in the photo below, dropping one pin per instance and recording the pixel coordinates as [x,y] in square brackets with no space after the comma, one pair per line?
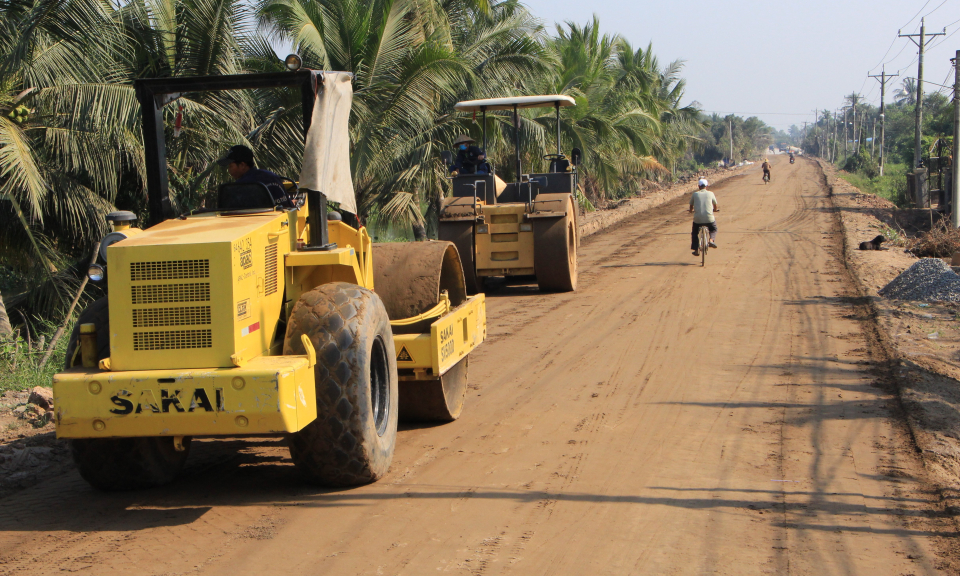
[521,228]
[261,316]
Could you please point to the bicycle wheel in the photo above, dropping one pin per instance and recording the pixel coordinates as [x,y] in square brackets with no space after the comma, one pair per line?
[703,246]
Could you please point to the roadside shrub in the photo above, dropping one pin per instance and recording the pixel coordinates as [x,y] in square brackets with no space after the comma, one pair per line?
[940,242]
[20,358]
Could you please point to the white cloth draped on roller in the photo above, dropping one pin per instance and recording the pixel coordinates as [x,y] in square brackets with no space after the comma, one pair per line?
[326,154]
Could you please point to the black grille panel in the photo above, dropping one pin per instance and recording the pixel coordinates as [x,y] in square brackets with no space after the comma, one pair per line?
[172,340]
[185,316]
[270,270]
[170,270]
[164,293]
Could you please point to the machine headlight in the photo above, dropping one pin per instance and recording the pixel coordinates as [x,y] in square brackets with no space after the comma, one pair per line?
[526,227]
[293,62]
[482,229]
[96,272]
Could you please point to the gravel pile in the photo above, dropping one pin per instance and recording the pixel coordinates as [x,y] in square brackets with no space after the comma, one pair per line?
[929,279]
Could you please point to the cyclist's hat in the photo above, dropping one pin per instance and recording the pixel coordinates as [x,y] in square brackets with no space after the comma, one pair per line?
[703,183]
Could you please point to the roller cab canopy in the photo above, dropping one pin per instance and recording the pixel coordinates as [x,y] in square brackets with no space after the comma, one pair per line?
[509,102]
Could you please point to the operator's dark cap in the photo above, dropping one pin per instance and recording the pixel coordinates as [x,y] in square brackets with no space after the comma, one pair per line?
[238,154]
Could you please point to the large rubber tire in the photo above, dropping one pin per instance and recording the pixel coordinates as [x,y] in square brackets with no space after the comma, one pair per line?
[114,464]
[438,400]
[352,440]
[120,463]
[555,252]
[96,313]
[461,234]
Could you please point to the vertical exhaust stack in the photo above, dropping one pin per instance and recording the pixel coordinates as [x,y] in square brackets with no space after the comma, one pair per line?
[317,219]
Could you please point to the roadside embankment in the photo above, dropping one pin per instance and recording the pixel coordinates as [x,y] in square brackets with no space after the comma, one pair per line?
[594,222]
[921,340]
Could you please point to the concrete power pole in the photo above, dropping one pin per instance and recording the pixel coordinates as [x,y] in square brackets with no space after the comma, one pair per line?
[954,181]
[883,92]
[730,129]
[835,151]
[845,153]
[919,112]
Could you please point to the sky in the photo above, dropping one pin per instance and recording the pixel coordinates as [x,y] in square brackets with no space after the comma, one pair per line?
[778,60]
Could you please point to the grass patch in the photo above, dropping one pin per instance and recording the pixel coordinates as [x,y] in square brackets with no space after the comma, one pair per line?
[892,185]
[20,359]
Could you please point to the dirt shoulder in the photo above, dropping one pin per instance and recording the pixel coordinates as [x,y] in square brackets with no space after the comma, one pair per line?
[922,339]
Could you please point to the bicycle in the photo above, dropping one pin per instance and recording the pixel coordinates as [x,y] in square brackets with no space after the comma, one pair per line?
[704,236]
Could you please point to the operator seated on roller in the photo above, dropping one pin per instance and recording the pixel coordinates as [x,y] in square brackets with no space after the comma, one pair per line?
[470,159]
[239,163]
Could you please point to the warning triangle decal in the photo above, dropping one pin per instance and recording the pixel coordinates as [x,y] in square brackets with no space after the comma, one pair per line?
[404,356]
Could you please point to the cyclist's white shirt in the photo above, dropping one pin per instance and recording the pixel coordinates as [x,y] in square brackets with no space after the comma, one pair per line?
[702,202]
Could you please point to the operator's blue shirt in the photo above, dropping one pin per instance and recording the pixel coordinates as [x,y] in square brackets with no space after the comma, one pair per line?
[273,182]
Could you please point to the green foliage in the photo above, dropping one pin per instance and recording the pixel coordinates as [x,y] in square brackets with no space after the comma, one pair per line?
[20,363]
[862,163]
[892,185]
[751,138]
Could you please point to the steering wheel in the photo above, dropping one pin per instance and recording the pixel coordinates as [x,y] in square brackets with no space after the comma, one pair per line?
[296,199]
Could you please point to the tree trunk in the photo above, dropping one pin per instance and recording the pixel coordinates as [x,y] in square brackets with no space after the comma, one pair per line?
[419,233]
[6,331]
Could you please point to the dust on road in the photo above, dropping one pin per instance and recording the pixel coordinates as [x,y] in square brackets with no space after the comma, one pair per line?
[664,419]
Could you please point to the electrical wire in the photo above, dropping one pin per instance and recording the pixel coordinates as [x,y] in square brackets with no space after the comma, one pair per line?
[915,15]
[935,9]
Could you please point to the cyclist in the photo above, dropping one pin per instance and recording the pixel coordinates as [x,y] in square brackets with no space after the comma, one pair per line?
[703,204]
[766,169]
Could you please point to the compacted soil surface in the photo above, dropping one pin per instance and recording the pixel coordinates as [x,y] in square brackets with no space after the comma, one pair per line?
[666,418]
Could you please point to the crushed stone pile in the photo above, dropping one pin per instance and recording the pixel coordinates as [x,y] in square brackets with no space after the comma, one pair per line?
[928,280]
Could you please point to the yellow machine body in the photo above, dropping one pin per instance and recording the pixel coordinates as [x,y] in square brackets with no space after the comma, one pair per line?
[504,241]
[451,338]
[270,394]
[195,306]
[503,233]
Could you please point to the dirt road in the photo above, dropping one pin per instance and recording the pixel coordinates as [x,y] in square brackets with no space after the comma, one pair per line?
[665,419]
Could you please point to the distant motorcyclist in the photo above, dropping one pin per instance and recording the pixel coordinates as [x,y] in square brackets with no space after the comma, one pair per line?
[471,159]
[766,169]
[791,157]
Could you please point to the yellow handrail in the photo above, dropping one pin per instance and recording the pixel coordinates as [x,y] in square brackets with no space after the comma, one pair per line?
[440,309]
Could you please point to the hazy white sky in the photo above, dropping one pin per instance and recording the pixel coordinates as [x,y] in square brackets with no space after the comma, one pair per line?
[778,60]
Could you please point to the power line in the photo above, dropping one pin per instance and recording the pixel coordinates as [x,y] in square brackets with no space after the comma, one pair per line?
[935,9]
[915,15]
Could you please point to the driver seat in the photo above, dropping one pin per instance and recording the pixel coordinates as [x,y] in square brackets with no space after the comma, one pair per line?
[244,196]
[559,164]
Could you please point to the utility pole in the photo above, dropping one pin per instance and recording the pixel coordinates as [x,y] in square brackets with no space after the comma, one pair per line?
[919,112]
[853,130]
[845,153]
[816,135]
[730,129]
[954,181]
[835,114]
[883,122]
[873,140]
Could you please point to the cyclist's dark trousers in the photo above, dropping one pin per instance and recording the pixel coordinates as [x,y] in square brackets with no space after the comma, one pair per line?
[695,239]
[766,173]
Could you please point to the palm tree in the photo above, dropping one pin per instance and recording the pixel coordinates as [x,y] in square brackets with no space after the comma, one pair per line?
[907,92]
